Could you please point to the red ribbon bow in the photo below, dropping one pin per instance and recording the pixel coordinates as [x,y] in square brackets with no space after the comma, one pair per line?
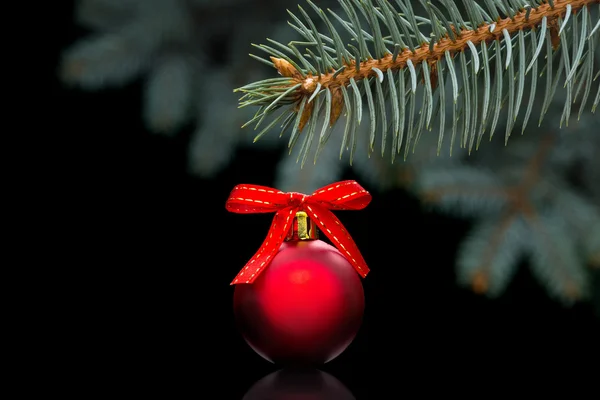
[345,195]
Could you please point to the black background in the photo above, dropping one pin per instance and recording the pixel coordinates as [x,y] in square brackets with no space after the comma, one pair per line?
[157,251]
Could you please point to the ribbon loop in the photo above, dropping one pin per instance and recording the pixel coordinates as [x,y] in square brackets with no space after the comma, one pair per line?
[250,199]
[345,195]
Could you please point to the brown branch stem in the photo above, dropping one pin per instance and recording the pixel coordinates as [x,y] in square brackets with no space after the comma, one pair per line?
[423,54]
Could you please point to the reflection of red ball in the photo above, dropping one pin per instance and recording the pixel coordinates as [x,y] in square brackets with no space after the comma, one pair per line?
[298,385]
[304,308]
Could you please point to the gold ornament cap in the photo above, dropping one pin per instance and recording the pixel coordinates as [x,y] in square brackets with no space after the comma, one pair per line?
[303,228]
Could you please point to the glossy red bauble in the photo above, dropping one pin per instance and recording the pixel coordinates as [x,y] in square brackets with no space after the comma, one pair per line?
[305,307]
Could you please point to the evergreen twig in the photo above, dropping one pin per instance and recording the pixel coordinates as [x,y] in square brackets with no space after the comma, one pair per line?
[502,40]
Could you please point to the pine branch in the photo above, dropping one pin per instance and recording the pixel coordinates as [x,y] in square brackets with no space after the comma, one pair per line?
[397,58]
[555,259]
[462,191]
[520,209]
[213,144]
[169,91]
[489,256]
[583,220]
[104,14]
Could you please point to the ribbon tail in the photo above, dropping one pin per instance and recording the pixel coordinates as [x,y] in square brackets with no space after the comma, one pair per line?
[332,227]
[282,222]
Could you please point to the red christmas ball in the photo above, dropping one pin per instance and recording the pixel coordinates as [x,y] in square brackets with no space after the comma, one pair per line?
[305,308]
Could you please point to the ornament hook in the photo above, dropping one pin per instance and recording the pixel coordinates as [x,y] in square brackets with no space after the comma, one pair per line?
[303,228]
